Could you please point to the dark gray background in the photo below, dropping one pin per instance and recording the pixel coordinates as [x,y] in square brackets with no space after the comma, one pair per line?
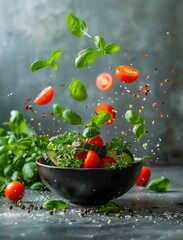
[150,34]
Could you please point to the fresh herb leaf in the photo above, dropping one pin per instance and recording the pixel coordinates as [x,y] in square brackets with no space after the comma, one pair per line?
[139,130]
[53,65]
[70,117]
[91,131]
[100,44]
[109,207]
[58,110]
[78,90]
[38,64]
[100,118]
[118,145]
[56,54]
[159,184]
[76,26]
[55,204]
[112,48]
[131,116]
[37,186]
[85,57]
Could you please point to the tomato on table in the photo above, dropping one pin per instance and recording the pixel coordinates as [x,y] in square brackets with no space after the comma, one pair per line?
[14,191]
[127,74]
[45,96]
[106,108]
[92,160]
[106,160]
[97,141]
[104,81]
[144,177]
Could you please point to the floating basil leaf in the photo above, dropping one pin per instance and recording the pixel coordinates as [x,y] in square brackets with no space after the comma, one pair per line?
[77,90]
[159,184]
[112,48]
[90,132]
[139,130]
[85,57]
[109,207]
[101,118]
[58,110]
[38,64]
[53,65]
[70,117]
[76,26]
[100,44]
[55,55]
[131,116]
[55,204]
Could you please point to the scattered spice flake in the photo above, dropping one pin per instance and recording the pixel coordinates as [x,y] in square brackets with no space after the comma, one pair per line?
[166,80]
[147,77]
[161,115]
[29,99]
[130,106]
[153,122]
[154,104]
[44,115]
[145,55]
[51,113]
[39,124]
[123,132]
[140,110]
[161,84]
[110,68]
[32,119]
[155,69]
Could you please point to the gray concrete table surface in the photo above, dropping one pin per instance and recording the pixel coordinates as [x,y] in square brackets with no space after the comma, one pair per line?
[144,215]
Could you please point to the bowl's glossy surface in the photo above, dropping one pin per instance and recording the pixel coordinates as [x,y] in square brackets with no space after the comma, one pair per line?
[88,186]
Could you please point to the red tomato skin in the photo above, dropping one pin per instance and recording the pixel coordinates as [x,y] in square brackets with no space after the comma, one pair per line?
[126,74]
[97,141]
[81,155]
[106,160]
[144,177]
[45,96]
[107,108]
[92,160]
[104,81]
[14,191]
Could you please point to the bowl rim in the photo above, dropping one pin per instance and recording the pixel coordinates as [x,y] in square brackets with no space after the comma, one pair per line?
[84,169]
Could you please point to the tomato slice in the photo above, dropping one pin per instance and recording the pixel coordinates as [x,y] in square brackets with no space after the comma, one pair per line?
[14,191]
[45,96]
[92,160]
[106,160]
[127,74]
[144,177]
[104,81]
[107,108]
[97,141]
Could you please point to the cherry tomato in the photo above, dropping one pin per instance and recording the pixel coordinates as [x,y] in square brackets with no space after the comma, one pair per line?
[81,155]
[126,74]
[106,160]
[144,177]
[97,141]
[92,160]
[45,96]
[107,108]
[14,191]
[104,81]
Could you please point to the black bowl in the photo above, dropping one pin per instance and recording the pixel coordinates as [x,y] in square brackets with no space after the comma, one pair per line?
[88,187]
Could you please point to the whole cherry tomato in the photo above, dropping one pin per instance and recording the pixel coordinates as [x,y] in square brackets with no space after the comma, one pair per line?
[144,177]
[104,81]
[97,141]
[107,108]
[14,191]
[126,74]
[106,160]
[92,160]
[45,96]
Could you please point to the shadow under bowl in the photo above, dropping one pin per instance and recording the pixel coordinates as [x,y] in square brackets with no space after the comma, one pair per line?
[88,187]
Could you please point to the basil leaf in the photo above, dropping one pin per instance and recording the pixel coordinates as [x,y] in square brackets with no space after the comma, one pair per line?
[99,42]
[53,65]
[37,186]
[24,143]
[76,25]
[17,122]
[159,185]
[70,117]
[38,64]
[112,48]
[58,110]
[90,132]
[29,172]
[109,207]
[77,90]
[131,116]
[139,130]
[85,57]
[55,55]
[101,118]
[55,204]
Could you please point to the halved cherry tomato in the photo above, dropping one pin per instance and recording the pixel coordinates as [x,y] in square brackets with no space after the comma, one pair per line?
[14,191]
[104,81]
[106,160]
[97,141]
[92,160]
[144,177]
[45,96]
[126,74]
[81,155]
[107,108]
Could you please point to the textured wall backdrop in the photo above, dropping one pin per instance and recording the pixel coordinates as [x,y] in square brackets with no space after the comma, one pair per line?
[150,34]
